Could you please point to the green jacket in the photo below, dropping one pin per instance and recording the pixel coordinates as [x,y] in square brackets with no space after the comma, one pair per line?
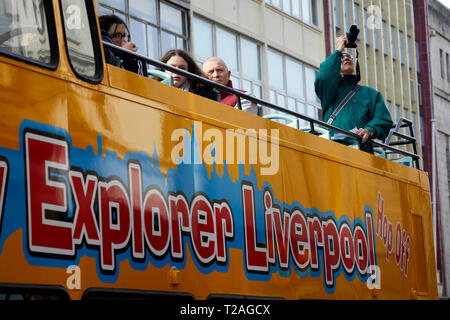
[366,109]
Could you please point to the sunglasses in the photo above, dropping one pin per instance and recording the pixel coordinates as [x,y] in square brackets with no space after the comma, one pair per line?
[120,36]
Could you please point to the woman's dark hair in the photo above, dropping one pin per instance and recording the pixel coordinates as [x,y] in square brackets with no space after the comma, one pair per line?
[106,21]
[195,87]
[192,65]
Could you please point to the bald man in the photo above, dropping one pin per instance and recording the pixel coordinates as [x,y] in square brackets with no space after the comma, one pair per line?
[217,71]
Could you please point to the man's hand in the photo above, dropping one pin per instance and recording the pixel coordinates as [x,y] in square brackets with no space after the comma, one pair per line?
[365,134]
[340,43]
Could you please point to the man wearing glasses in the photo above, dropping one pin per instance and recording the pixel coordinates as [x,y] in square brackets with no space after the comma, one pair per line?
[115,31]
[364,113]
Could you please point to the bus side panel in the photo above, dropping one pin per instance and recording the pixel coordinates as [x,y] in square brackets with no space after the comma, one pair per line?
[144,195]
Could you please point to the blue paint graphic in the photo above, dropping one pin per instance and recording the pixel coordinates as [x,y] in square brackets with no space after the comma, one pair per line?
[188,178]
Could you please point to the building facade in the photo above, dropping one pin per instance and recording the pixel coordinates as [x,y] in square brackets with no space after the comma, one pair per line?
[439,32]
[273,48]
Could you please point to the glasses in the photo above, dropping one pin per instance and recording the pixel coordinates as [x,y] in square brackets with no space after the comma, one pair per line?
[120,36]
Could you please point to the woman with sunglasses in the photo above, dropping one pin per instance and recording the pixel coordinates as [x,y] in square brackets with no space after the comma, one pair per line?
[115,31]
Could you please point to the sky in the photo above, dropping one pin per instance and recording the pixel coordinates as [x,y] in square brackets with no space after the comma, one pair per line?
[445,2]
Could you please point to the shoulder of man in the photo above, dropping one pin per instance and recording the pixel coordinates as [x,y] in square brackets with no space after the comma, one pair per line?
[367,90]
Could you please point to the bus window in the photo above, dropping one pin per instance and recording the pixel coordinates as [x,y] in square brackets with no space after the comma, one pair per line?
[81,33]
[30,292]
[27,31]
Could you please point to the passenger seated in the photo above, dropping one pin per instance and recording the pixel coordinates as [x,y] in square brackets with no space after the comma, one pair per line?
[217,71]
[115,31]
[182,60]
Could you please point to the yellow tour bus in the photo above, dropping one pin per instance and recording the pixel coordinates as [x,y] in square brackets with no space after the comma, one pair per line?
[115,185]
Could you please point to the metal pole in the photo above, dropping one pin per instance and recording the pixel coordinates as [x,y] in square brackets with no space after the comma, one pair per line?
[433,181]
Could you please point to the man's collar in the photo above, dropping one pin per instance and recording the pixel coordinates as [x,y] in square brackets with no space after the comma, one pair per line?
[350,79]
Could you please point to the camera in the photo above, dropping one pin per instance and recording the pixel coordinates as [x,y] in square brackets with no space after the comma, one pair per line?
[352,36]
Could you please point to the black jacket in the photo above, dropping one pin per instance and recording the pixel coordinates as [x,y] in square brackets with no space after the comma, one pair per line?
[123,60]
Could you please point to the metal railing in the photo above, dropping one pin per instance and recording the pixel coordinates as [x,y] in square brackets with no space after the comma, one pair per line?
[241,95]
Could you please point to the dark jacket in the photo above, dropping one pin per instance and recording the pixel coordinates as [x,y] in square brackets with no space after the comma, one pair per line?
[205,91]
[121,59]
[366,109]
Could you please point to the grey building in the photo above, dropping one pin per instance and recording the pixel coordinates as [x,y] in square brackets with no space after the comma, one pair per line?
[439,30]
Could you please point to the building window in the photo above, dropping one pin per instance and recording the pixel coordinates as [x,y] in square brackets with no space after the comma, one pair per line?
[417,56]
[292,85]
[419,94]
[402,48]
[422,132]
[409,43]
[356,15]
[397,113]
[448,67]
[442,63]
[412,86]
[337,14]
[393,43]
[376,39]
[36,42]
[155,26]
[366,29]
[385,40]
[305,10]
[414,123]
[242,55]
[80,40]
[346,14]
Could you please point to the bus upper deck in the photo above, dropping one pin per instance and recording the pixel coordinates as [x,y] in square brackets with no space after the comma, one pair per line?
[112,183]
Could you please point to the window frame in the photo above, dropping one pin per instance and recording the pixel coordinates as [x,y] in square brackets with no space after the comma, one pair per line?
[288,95]
[95,39]
[238,74]
[49,12]
[313,8]
[184,8]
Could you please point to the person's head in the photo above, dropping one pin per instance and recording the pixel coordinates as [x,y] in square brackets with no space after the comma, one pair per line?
[182,60]
[115,28]
[216,70]
[347,65]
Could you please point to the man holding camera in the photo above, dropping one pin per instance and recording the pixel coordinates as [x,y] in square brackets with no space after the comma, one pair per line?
[347,105]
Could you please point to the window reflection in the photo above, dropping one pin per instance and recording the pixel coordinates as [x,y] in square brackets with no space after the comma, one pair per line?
[79,38]
[250,59]
[227,48]
[172,19]
[137,30]
[294,78]
[145,10]
[23,29]
[292,85]
[203,39]
[168,41]
[118,4]
[276,70]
